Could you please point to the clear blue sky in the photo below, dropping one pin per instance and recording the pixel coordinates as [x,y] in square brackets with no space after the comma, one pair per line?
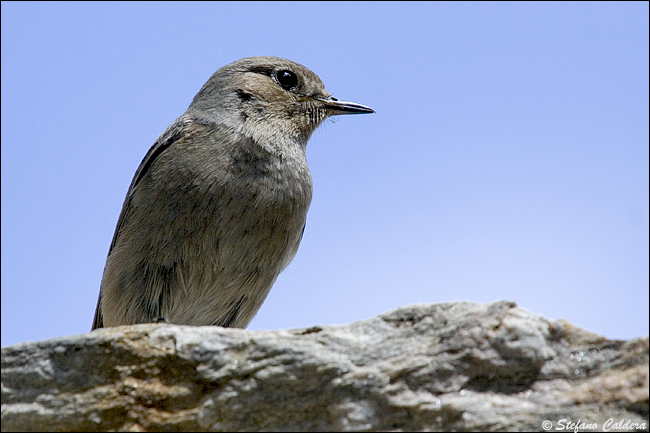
[507,159]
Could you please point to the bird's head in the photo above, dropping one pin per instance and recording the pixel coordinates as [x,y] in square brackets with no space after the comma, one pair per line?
[269,98]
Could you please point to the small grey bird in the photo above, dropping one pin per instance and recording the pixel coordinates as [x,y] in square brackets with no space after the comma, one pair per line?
[217,208]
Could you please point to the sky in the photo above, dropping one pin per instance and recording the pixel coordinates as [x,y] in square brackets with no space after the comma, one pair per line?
[507,158]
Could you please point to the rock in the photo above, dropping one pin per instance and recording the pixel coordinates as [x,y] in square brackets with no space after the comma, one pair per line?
[453,366]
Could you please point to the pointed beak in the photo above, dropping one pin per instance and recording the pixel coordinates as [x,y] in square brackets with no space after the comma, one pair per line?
[335,106]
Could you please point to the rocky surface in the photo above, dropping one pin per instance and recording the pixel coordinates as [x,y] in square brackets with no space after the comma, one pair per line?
[453,366]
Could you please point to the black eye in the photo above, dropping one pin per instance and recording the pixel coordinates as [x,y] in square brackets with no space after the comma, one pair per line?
[287,79]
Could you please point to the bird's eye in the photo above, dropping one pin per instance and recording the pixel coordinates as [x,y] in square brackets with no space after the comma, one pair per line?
[287,79]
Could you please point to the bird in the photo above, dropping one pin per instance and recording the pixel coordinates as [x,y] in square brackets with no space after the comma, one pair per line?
[217,207]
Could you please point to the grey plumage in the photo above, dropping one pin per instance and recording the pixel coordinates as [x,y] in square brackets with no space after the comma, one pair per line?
[217,208]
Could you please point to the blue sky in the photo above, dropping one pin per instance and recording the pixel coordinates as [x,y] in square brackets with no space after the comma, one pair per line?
[507,158]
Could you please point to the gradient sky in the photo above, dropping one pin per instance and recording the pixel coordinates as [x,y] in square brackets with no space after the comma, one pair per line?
[507,159]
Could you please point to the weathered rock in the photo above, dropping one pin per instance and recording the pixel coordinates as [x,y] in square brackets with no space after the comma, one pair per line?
[453,366]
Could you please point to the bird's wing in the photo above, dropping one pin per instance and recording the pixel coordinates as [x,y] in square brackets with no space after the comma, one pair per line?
[172,134]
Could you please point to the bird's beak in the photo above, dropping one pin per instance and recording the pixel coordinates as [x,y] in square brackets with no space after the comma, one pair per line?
[341,107]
